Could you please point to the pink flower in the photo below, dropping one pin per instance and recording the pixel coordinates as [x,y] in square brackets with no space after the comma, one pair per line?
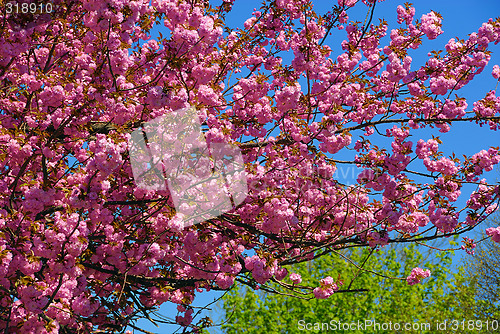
[224,281]
[261,272]
[327,288]
[347,3]
[281,274]
[375,238]
[186,319]
[431,25]
[405,15]
[295,278]
[496,72]
[468,246]
[494,233]
[416,276]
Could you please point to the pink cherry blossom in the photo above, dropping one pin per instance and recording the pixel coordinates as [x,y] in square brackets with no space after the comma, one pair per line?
[295,278]
[496,72]
[417,274]
[494,233]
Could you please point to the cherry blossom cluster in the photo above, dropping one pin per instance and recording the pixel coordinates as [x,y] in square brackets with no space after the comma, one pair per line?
[468,245]
[494,233]
[327,288]
[261,271]
[417,275]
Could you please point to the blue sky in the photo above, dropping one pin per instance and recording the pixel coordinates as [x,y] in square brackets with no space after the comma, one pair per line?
[459,19]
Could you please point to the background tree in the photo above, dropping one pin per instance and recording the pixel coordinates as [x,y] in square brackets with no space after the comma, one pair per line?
[478,290]
[470,292]
[484,274]
[378,297]
[83,249]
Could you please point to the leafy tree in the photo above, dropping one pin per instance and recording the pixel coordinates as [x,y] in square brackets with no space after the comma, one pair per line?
[84,248]
[468,294]
[378,298]
[483,272]
[479,289]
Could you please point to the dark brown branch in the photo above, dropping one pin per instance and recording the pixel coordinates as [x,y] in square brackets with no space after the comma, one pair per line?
[48,211]
[146,281]
[385,121]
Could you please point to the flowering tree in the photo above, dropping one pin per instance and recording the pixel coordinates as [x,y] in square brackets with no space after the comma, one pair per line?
[83,249]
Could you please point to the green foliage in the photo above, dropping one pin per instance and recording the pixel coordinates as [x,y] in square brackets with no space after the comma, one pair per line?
[482,282]
[387,299]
